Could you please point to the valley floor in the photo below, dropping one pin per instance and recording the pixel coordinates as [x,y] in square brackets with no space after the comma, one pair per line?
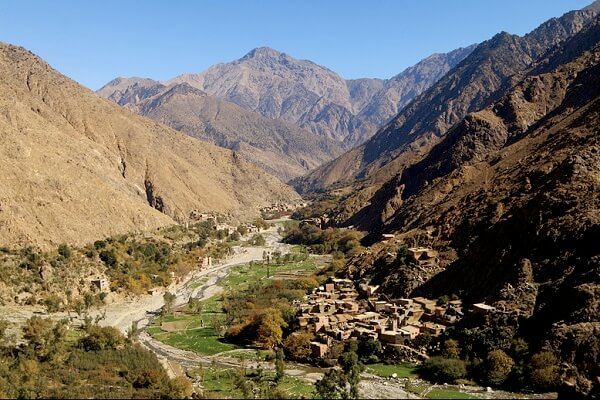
[203,285]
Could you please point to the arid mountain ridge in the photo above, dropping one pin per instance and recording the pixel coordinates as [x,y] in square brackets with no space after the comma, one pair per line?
[77,167]
[475,82]
[510,197]
[280,148]
[305,94]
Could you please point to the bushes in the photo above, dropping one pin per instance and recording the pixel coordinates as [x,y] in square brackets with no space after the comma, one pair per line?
[498,367]
[297,345]
[257,240]
[64,251]
[102,338]
[109,258]
[442,370]
[330,240]
[544,371]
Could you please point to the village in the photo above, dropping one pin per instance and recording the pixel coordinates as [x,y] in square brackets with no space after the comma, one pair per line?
[339,310]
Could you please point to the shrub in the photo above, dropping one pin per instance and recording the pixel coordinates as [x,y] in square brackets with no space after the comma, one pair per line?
[498,367]
[441,369]
[297,345]
[257,240]
[64,250]
[544,371]
[101,338]
[108,257]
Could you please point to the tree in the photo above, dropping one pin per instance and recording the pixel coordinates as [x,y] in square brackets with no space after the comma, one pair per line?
[3,328]
[297,345]
[242,384]
[352,368]
[37,332]
[45,339]
[257,240]
[441,369]
[133,332]
[332,385]
[108,257]
[544,371]
[102,337]
[169,299]
[498,367]
[450,349]
[279,365]
[369,350]
[180,388]
[269,332]
[242,229]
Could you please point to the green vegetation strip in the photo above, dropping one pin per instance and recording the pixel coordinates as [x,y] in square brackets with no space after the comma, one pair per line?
[193,337]
[384,370]
[220,382]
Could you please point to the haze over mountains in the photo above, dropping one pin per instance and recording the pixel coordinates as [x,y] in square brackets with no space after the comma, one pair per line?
[334,114]
[76,167]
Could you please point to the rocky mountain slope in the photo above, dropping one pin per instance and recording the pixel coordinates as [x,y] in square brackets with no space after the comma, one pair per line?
[280,148]
[510,197]
[315,98]
[76,167]
[475,82]
[401,89]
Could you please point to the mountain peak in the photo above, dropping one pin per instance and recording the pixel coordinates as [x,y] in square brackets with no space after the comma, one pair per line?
[264,52]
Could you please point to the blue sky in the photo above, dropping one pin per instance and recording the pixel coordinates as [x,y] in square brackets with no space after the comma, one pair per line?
[95,41]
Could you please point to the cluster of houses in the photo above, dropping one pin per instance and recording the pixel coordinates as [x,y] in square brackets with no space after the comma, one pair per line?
[278,207]
[334,312]
[320,222]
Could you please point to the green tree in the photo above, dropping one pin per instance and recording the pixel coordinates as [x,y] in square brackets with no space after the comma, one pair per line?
[242,229]
[544,371]
[369,350]
[257,240]
[133,332]
[498,367]
[279,365]
[352,368]
[441,369]
[37,332]
[108,257]
[332,385]
[102,337]
[169,299]
[450,349]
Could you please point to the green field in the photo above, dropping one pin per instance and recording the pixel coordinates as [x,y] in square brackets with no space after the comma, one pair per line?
[448,394]
[202,340]
[250,354]
[248,274]
[219,383]
[384,370]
